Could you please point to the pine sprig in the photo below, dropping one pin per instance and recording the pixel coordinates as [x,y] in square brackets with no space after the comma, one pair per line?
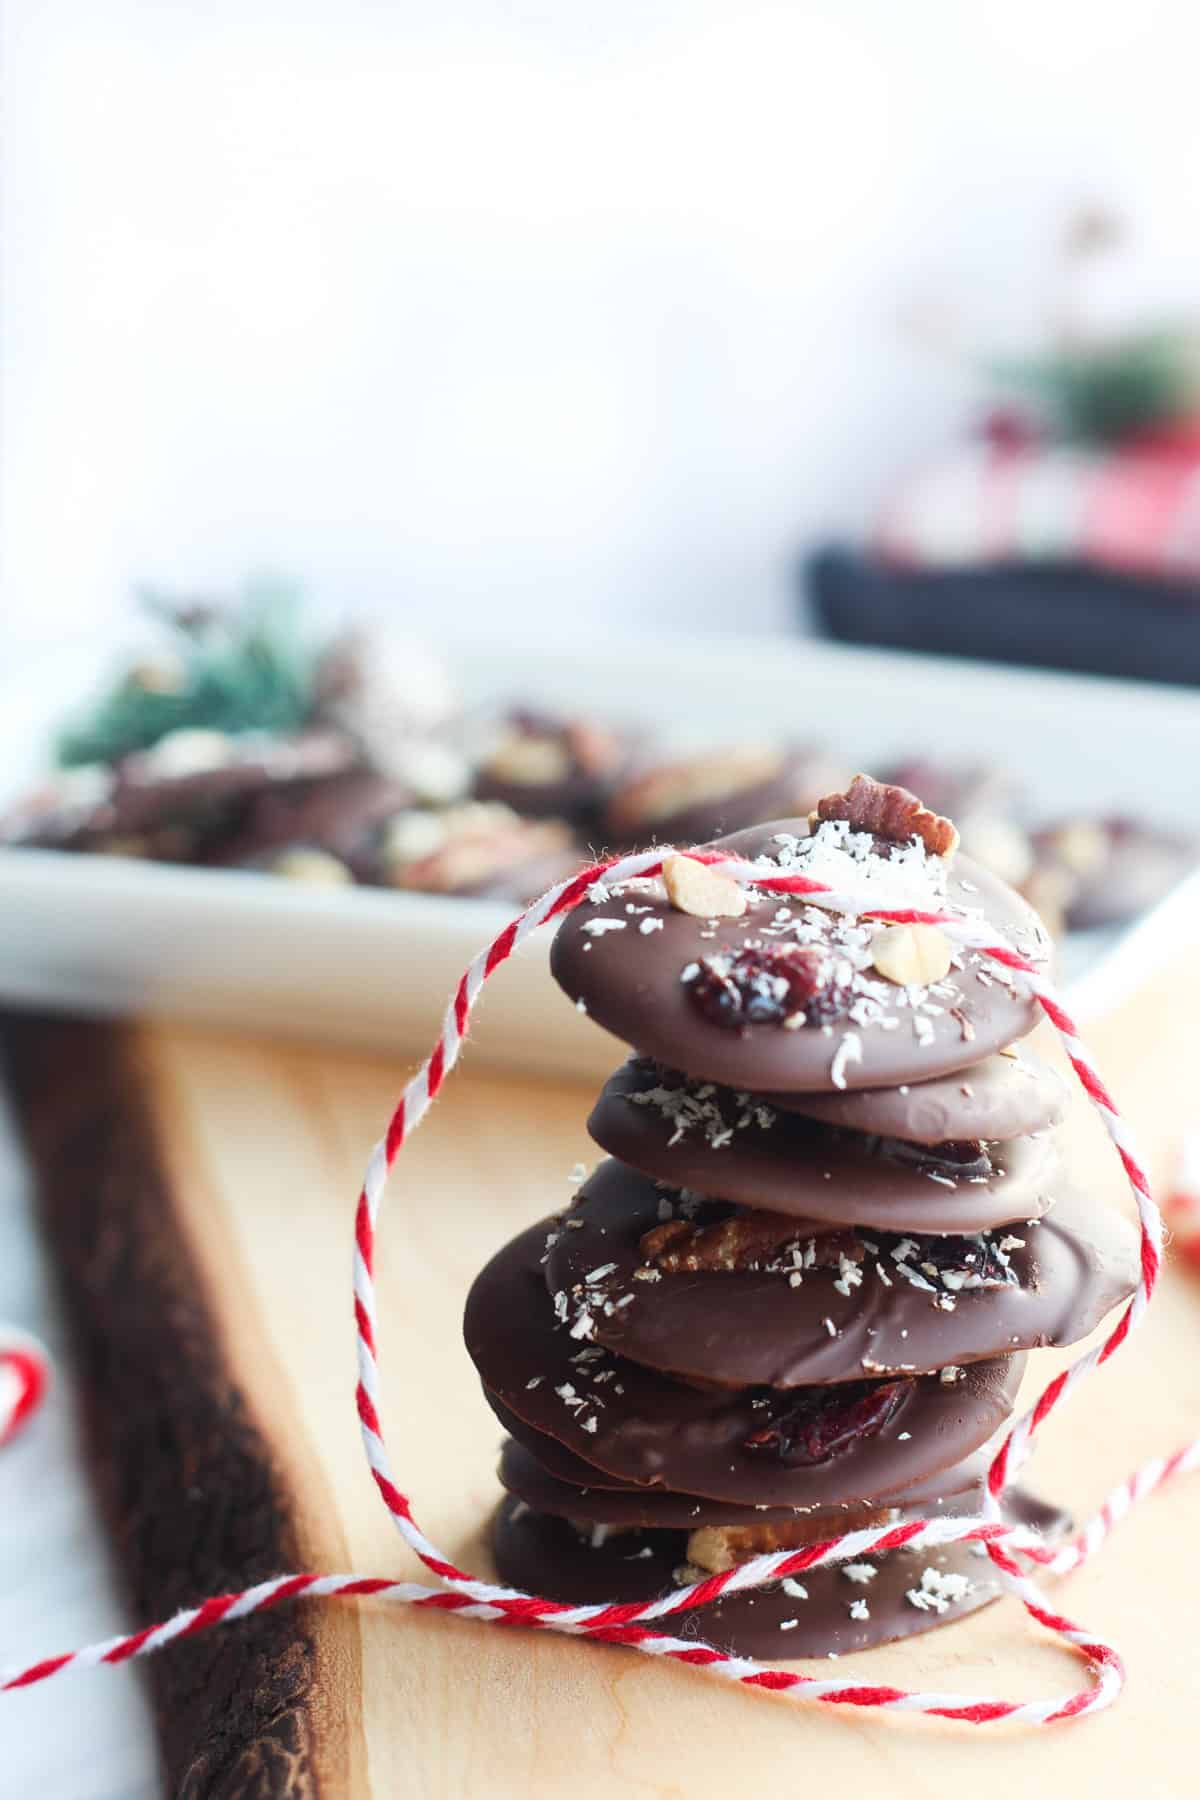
[243,666]
[1100,392]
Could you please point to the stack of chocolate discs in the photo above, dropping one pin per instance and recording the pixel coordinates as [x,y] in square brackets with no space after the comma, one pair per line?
[797,1296]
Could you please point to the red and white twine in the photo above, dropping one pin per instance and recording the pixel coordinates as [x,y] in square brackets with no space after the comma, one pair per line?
[24,1378]
[636,1624]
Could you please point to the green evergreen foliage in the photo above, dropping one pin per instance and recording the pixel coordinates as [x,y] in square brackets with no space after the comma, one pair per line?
[243,665]
[1101,392]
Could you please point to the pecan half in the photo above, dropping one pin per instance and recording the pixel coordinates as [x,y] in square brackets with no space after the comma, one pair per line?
[715,1548]
[891,813]
[744,1241]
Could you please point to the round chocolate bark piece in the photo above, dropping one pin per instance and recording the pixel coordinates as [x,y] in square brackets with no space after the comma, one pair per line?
[1004,1096]
[713,997]
[692,798]
[741,1147]
[824,1447]
[521,1472]
[816,1311]
[552,767]
[819,1613]
[340,815]
[1106,871]
[599,1490]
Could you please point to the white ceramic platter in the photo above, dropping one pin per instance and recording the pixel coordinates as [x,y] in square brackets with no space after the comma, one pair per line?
[109,935]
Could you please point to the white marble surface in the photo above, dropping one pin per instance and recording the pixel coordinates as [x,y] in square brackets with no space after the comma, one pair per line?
[77,1737]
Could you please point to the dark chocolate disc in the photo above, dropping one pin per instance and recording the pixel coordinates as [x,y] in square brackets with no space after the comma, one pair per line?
[822,1448]
[662,979]
[865,1308]
[738,1147]
[548,767]
[525,1476]
[599,1490]
[341,815]
[1110,870]
[819,1613]
[1000,1098]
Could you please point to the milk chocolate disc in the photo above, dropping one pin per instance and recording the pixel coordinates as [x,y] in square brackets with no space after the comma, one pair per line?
[820,1613]
[747,1446]
[886,1305]
[740,1147]
[1000,1098]
[660,978]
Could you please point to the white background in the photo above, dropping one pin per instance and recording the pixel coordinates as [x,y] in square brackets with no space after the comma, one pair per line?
[566,308]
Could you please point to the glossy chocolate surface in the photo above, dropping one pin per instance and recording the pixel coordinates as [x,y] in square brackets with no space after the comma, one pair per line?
[1001,1097]
[960,1490]
[738,1147]
[906,1305]
[813,1617]
[629,980]
[645,1428]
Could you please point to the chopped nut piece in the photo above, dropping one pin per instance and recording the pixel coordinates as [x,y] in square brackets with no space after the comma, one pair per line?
[912,955]
[715,1548]
[1081,845]
[464,846]
[889,812]
[316,867]
[695,781]
[529,760]
[694,888]
[744,1241]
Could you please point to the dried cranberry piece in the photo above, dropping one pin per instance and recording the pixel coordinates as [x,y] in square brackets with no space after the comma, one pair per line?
[964,1159]
[825,1422]
[757,985]
[969,1257]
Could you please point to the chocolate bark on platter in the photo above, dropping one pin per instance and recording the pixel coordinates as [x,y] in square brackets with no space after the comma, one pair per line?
[796,1298]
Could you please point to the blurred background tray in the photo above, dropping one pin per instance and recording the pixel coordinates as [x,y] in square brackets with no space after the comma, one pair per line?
[1060,615]
[112,936]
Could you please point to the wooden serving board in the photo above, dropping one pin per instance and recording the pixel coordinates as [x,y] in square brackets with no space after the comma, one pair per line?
[198,1192]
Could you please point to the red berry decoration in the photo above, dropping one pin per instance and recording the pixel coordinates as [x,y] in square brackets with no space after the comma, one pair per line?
[822,1422]
[757,985]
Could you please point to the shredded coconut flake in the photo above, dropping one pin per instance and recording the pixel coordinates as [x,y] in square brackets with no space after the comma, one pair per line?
[848,1051]
[938,1591]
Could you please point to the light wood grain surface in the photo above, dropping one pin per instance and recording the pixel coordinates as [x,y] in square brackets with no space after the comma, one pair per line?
[267,1146]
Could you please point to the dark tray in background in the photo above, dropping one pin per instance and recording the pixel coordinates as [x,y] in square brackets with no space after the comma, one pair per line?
[1057,616]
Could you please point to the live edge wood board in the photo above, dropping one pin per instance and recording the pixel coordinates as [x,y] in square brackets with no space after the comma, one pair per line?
[197,1191]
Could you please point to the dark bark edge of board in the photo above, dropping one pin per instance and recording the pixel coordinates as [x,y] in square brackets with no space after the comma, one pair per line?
[190,1494]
